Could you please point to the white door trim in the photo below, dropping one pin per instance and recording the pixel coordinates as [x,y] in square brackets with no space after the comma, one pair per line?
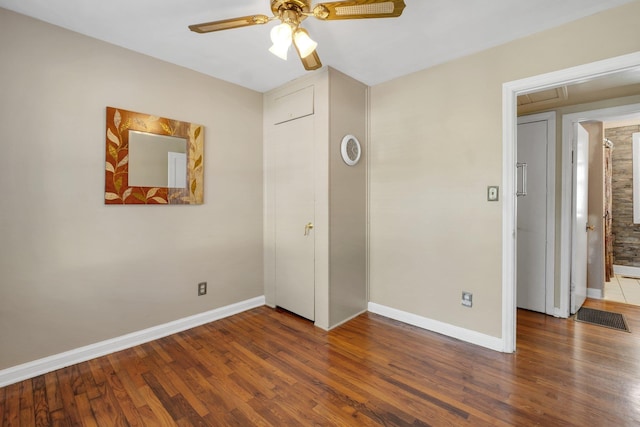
[510,91]
[550,118]
[566,216]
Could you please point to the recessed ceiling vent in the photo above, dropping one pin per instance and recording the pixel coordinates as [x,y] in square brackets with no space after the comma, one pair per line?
[544,97]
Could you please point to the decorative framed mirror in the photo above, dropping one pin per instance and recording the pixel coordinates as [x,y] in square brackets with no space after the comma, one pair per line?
[152,160]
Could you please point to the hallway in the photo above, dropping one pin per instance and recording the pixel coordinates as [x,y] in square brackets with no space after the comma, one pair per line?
[623,289]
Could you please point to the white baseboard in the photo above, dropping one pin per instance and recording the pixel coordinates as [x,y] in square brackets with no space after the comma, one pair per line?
[594,293]
[625,270]
[342,322]
[457,332]
[42,366]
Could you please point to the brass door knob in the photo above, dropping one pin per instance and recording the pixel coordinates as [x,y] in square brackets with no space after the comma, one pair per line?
[591,227]
[308,228]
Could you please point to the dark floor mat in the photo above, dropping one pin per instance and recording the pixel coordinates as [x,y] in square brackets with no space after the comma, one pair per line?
[602,318]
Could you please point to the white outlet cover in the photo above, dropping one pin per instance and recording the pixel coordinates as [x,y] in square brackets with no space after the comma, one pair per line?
[493,193]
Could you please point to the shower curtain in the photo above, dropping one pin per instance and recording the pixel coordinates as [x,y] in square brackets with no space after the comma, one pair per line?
[608,234]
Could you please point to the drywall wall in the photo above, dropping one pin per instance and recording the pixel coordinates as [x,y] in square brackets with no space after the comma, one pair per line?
[435,146]
[347,200]
[74,271]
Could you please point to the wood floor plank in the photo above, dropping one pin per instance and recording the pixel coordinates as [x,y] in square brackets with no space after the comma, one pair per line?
[161,394]
[148,417]
[12,405]
[54,399]
[213,392]
[267,367]
[157,408]
[27,412]
[132,389]
[69,411]
[97,369]
[84,407]
[189,416]
[178,377]
[40,404]
[4,402]
[92,389]
[121,400]
[60,419]
[104,411]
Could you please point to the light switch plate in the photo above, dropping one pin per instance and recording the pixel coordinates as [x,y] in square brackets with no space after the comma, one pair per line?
[467,299]
[493,193]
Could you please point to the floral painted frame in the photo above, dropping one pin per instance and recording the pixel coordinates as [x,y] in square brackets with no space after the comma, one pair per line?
[117,189]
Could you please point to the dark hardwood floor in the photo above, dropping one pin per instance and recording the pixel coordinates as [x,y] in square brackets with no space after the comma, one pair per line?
[268,367]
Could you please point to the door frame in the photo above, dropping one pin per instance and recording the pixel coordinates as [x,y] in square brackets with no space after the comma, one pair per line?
[510,91]
[550,118]
[568,133]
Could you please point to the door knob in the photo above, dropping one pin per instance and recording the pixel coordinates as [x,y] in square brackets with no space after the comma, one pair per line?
[308,228]
[591,227]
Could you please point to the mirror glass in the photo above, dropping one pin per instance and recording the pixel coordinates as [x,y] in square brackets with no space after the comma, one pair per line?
[157,160]
[152,160]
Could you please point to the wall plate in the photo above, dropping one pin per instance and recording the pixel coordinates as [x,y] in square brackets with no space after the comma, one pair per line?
[493,193]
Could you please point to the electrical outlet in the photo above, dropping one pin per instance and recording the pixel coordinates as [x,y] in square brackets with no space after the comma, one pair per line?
[202,288]
[467,299]
[493,192]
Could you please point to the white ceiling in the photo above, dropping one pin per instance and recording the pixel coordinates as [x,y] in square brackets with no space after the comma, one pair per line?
[429,32]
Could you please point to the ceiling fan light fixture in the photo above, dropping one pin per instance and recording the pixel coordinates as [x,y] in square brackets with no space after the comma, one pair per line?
[280,51]
[281,36]
[291,13]
[304,44]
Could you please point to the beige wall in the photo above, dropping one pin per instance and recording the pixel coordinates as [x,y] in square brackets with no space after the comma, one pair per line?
[74,271]
[347,200]
[436,144]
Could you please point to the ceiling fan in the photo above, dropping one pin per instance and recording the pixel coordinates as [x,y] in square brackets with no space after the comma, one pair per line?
[292,12]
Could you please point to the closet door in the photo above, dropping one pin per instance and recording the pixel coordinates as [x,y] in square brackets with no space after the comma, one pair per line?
[294,216]
[532,241]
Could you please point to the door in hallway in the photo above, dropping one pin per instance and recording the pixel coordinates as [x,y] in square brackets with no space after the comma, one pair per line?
[580,244]
[533,275]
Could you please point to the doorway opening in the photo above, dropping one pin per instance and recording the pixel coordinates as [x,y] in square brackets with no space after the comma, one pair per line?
[511,90]
[601,119]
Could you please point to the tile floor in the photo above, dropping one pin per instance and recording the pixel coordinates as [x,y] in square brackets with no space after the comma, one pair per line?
[623,289]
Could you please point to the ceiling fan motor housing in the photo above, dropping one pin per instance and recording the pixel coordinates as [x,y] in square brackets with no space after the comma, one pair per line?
[298,5]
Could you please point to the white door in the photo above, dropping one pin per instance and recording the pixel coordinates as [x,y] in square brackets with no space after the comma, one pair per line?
[532,215]
[177,169]
[294,213]
[579,241]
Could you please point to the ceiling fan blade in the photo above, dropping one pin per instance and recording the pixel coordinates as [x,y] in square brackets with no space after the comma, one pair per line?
[227,24]
[359,9]
[311,62]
